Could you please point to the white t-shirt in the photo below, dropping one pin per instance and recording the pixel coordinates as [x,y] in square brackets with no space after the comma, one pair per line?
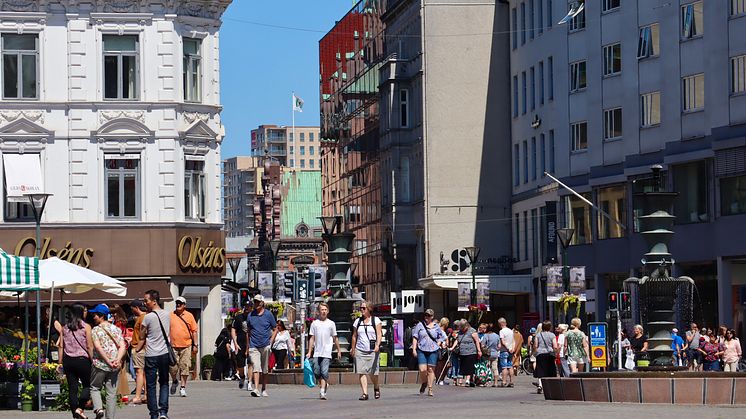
[507,339]
[561,343]
[323,333]
[281,340]
[366,332]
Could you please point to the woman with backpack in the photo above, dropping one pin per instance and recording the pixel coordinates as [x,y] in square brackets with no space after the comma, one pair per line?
[427,339]
[365,348]
[77,350]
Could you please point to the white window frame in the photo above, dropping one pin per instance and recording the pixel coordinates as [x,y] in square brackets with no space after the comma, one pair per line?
[577,23]
[691,25]
[120,77]
[610,59]
[192,69]
[194,200]
[19,56]
[650,109]
[576,140]
[575,76]
[404,108]
[738,74]
[648,44]
[610,122]
[737,7]
[610,5]
[122,172]
[692,94]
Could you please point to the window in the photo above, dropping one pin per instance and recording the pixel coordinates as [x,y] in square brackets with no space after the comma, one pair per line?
[650,108]
[543,157]
[612,59]
[515,96]
[17,208]
[404,107]
[525,161]
[523,23]
[692,23]
[609,5]
[302,150]
[531,18]
[534,237]
[649,43]
[738,74]
[541,82]
[612,124]
[310,136]
[693,92]
[192,70]
[611,200]
[120,67]
[20,66]
[518,236]
[737,7]
[578,216]
[122,188]
[551,151]
[690,181]
[733,195]
[302,164]
[194,189]
[533,88]
[533,158]
[292,150]
[525,235]
[311,163]
[578,22]
[644,183]
[514,29]
[291,137]
[577,76]
[579,136]
[292,162]
[540,19]
[550,62]
[516,165]
[524,92]
[550,21]
[302,137]
[311,150]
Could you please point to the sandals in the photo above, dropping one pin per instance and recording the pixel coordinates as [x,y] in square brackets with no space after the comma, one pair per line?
[511,385]
[79,414]
[377,393]
[423,386]
[99,413]
[363,397]
[430,391]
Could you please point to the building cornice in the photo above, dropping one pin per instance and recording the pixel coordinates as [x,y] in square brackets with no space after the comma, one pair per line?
[203,9]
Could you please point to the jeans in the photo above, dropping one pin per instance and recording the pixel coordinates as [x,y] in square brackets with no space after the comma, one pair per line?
[157,368]
[321,367]
[109,379]
[564,367]
[77,369]
[280,355]
[455,366]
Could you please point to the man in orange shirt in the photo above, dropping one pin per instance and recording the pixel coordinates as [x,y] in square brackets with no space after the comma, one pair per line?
[184,342]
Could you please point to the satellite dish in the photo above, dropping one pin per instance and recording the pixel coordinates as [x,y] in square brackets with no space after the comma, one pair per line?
[576,7]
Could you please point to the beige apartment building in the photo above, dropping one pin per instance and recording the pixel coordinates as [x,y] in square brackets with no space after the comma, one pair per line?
[296,151]
[241,184]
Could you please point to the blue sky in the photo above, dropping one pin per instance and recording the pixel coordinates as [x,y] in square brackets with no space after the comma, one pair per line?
[263,62]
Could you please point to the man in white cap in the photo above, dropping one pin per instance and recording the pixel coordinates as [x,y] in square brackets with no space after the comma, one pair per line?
[678,347]
[184,341]
[262,327]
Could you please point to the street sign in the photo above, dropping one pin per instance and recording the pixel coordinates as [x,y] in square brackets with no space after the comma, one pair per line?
[597,336]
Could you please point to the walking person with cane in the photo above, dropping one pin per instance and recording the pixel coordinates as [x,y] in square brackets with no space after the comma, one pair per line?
[427,339]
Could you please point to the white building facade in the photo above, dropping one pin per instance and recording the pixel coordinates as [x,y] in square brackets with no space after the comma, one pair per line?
[119,102]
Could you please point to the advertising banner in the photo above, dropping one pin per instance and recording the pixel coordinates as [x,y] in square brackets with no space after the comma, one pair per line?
[577,281]
[483,294]
[550,231]
[463,296]
[265,285]
[554,283]
[398,337]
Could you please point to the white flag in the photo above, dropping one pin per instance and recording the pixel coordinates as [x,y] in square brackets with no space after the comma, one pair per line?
[297,104]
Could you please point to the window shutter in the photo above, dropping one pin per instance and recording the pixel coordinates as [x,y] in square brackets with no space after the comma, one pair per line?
[731,161]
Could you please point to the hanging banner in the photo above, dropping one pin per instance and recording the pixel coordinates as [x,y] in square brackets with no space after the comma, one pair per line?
[577,282]
[464,296]
[265,285]
[398,337]
[483,294]
[550,231]
[554,283]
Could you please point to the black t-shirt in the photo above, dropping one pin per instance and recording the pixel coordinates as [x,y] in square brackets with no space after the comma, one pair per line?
[637,343]
[239,324]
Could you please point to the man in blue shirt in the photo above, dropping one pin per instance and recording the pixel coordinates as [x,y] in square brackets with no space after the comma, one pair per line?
[262,327]
[678,347]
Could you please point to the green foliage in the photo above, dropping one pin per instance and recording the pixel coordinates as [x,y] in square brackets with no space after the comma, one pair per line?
[28,391]
[208,362]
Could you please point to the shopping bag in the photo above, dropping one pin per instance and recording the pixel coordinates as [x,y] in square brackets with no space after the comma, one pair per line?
[482,373]
[308,378]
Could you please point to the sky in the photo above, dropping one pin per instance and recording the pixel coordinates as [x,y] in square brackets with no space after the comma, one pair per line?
[268,49]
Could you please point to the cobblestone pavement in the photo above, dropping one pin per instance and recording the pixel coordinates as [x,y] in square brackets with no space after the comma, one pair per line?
[224,400]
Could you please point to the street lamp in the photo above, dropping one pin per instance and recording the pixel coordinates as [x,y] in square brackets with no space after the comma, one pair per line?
[38,202]
[565,238]
[330,223]
[274,244]
[234,264]
[473,253]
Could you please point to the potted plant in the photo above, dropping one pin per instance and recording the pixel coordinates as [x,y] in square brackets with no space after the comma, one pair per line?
[28,393]
[208,363]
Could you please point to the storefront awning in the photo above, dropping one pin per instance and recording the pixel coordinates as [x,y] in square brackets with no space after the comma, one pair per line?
[511,284]
[22,176]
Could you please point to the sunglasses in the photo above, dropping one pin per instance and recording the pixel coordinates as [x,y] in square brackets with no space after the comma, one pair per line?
[179,304]
[363,308]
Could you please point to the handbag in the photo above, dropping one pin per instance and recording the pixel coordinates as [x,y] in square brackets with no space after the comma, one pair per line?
[440,353]
[171,354]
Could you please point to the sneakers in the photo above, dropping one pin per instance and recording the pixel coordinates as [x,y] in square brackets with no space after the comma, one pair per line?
[240,384]
[255,393]
[163,416]
[322,395]
[265,394]
[182,392]
[174,386]
[250,386]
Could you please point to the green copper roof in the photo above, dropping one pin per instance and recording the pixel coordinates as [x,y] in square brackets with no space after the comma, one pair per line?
[301,200]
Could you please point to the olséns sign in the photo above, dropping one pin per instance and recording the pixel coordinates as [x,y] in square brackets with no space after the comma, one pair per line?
[78,256]
[195,257]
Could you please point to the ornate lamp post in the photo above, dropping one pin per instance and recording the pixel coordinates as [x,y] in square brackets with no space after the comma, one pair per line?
[274,244]
[38,203]
[473,253]
[565,238]
[234,263]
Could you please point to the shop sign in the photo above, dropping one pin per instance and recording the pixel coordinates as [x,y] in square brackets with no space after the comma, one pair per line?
[78,256]
[550,229]
[194,257]
[407,302]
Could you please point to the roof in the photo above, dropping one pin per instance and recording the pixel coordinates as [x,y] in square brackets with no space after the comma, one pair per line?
[301,200]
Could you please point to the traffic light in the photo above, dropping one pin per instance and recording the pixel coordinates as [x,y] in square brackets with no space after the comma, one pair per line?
[289,283]
[315,283]
[243,296]
[302,289]
[626,302]
[613,301]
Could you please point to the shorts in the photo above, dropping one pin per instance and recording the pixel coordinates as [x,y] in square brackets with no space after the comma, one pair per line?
[575,360]
[259,358]
[694,356]
[506,360]
[321,367]
[138,359]
[429,358]
[183,361]
[241,357]
[366,363]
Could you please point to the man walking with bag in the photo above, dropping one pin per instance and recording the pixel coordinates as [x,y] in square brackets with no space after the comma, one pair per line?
[323,334]
[154,336]
[262,328]
[108,351]
[184,342]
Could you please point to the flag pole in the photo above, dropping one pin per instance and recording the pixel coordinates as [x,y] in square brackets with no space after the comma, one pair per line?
[294,139]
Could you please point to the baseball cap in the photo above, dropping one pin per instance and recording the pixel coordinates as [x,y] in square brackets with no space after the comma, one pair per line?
[533,330]
[100,309]
[181,300]
[259,297]
[675,330]
[137,303]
